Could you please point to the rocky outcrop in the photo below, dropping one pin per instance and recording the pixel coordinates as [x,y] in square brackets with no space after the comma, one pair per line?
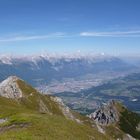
[9,88]
[106,114]
[66,111]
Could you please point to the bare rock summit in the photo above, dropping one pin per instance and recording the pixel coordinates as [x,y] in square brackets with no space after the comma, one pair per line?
[9,88]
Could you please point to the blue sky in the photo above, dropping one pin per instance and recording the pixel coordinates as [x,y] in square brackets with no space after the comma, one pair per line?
[36,26]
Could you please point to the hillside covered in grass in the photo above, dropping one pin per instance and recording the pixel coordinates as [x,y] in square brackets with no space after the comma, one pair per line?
[25,114]
[40,117]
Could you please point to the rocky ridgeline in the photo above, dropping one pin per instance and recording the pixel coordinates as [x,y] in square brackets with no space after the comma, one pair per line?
[9,88]
[106,114]
[65,109]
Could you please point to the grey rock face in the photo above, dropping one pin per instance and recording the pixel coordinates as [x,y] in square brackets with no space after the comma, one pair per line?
[63,107]
[106,114]
[9,88]
[65,110]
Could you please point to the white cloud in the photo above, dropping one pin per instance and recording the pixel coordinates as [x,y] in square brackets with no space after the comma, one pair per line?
[111,34]
[62,35]
[31,37]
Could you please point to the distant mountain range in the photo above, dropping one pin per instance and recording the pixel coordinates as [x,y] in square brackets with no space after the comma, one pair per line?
[27,114]
[41,71]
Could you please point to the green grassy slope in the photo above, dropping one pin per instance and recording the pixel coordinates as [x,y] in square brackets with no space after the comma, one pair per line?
[40,127]
[129,122]
[37,117]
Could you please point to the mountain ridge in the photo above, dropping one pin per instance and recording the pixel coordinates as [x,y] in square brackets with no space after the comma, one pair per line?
[37,116]
[43,72]
[35,110]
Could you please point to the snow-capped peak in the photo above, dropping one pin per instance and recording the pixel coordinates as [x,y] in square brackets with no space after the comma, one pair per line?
[54,57]
[6,59]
